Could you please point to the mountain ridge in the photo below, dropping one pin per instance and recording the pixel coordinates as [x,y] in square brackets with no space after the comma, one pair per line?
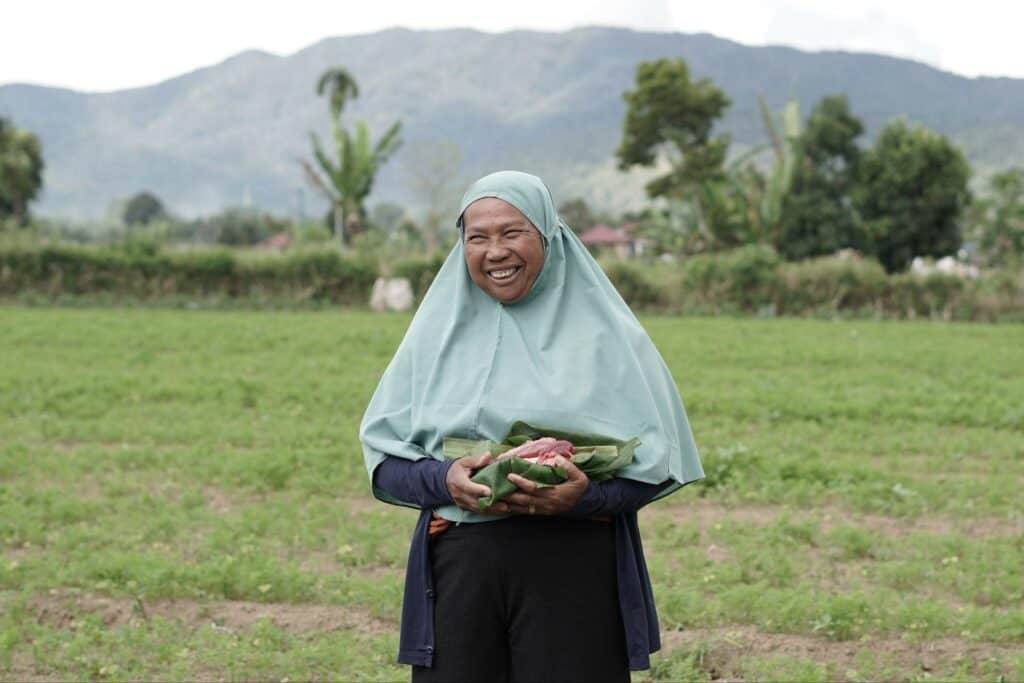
[549,102]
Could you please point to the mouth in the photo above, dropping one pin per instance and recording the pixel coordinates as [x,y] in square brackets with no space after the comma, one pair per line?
[504,275]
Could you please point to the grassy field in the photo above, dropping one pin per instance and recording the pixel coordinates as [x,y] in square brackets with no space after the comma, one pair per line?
[182,496]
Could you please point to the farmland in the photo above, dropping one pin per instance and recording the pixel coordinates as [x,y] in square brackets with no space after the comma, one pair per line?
[182,496]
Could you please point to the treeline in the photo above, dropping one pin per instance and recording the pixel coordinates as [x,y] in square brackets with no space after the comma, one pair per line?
[816,187]
[748,280]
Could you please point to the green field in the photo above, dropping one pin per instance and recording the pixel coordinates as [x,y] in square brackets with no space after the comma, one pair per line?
[182,496]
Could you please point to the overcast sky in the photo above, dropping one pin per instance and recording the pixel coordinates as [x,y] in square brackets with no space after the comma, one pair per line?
[101,45]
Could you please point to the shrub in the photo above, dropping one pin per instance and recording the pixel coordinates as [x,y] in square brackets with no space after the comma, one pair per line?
[831,284]
[633,284]
[420,271]
[746,279]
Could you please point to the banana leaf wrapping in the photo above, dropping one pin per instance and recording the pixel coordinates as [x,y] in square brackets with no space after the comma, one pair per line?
[599,457]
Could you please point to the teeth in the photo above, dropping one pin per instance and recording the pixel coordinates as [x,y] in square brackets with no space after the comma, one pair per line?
[502,273]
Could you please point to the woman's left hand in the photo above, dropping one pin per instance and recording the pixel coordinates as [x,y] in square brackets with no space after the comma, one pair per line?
[532,499]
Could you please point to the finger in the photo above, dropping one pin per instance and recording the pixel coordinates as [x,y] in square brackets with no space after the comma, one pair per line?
[472,490]
[572,472]
[476,461]
[523,500]
[522,483]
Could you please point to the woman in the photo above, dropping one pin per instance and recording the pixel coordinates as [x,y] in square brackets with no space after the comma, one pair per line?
[522,324]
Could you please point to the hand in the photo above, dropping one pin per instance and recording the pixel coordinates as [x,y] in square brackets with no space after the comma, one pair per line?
[464,492]
[532,499]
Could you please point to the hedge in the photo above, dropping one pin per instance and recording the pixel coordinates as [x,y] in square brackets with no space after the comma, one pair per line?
[748,280]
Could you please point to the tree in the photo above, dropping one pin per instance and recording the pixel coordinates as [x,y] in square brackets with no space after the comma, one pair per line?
[346,179]
[340,86]
[577,215]
[21,171]
[911,192]
[817,215]
[997,228]
[142,209]
[669,114]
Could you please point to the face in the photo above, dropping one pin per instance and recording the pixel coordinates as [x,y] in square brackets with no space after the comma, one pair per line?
[504,252]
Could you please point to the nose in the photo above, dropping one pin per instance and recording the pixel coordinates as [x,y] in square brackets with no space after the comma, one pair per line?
[496,251]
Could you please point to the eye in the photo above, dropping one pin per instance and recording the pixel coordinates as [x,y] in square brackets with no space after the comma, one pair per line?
[475,239]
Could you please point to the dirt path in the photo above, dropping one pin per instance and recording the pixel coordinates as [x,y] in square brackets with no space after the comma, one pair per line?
[725,650]
[60,608]
[705,513]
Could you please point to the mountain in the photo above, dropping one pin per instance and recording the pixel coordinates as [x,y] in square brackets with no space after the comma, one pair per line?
[550,103]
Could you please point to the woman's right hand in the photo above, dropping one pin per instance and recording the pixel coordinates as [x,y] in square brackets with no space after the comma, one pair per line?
[465,492]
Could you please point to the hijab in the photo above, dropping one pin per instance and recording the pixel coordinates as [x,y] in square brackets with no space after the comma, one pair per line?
[569,355]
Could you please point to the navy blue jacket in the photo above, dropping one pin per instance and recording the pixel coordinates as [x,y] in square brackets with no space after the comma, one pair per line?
[421,483]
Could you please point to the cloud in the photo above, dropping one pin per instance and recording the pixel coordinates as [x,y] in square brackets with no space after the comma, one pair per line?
[873,30]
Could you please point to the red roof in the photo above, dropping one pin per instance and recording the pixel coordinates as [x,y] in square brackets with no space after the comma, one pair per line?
[601,234]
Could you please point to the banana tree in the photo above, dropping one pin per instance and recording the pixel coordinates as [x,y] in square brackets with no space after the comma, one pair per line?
[346,177]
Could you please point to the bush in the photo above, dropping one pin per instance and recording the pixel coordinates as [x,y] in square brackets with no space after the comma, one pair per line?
[633,284]
[141,274]
[746,279]
[420,271]
[829,284]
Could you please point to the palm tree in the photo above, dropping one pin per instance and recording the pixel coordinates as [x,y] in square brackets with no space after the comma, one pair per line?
[346,180]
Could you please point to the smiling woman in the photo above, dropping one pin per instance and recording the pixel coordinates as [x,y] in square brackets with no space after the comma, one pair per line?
[521,324]
[504,252]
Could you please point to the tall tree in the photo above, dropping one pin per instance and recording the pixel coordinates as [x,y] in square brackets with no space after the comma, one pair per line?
[911,192]
[347,178]
[669,114]
[21,171]
[817,214]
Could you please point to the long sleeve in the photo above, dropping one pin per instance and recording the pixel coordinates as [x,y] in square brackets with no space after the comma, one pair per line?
[415,483]
[614,497]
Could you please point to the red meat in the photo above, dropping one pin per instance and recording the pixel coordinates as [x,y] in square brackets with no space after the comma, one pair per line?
[543,450]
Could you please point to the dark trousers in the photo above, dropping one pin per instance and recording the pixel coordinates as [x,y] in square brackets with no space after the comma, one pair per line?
[526,599]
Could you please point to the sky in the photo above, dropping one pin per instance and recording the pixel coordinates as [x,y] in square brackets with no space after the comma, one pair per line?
[104,45]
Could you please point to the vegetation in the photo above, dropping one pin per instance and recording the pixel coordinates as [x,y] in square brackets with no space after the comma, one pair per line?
[346,179]
[142,209]
[21,171]
[997,232]
[912,192]
[183,497]
[816,215]
[668,113]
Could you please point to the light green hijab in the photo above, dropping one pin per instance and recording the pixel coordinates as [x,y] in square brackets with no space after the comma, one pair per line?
[569,355]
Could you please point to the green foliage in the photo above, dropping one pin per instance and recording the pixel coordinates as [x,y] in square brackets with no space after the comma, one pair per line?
[742,279]
[241,226]
[633,283]
[420,271]
[346,178]
[669,112]
[139,271]
[830,284]
[997,225]
[182,496]
[21,171]
[911,191]
[142,209]
[817,216]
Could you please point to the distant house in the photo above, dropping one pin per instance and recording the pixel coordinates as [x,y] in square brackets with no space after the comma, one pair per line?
[278,242]
[602,238]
